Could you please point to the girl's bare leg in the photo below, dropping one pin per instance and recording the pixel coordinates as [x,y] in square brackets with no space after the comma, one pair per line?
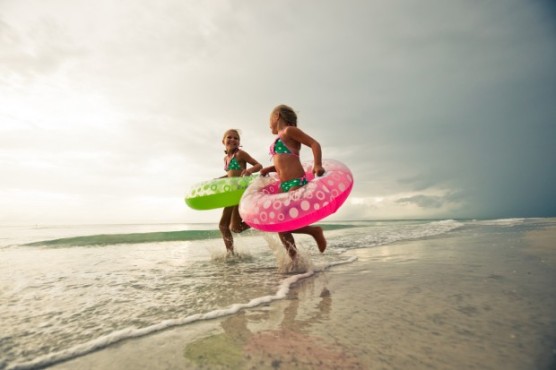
[224,227]
[317,234]
[237,225]
[315,231]
[289,243]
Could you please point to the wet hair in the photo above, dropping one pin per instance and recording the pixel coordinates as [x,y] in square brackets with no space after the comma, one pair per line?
[286,114]
[234,130]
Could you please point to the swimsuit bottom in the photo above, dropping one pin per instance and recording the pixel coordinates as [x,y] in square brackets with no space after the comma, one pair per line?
[287,185]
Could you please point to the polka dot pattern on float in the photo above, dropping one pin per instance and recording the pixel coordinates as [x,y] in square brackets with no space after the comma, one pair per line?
[216,186]
[217,193]
[264,207]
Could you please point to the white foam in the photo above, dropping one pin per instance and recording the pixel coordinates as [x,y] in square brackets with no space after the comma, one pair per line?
[133,332]
[502,222]
[409,232]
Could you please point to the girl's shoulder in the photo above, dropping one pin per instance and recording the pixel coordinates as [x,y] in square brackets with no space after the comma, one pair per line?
[241,153]
[290,134]
[290,130]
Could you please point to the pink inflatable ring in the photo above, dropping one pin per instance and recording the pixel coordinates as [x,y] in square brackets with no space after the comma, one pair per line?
[264,207]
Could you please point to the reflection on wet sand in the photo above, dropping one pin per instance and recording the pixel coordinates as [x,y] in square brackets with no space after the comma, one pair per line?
[289,345]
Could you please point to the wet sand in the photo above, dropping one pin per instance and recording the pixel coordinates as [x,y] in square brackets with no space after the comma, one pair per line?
[464,300]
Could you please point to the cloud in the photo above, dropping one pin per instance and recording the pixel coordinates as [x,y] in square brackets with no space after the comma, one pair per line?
[36,51]
[441,109]
[424,201]
[432,201]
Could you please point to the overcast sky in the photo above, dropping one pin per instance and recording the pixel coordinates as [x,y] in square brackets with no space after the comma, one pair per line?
[111,110]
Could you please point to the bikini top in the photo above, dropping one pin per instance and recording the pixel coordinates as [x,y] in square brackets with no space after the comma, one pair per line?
[231,163]
[279,147]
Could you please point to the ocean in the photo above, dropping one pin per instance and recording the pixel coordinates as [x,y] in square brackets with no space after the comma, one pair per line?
[66,291]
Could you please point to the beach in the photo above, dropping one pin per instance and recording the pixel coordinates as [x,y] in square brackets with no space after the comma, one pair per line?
[469,299]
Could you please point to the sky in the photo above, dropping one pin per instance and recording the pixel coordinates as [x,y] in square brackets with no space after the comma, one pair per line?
[111,110]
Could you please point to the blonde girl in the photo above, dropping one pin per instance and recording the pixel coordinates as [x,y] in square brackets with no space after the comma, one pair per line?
[287,164]
[235,164]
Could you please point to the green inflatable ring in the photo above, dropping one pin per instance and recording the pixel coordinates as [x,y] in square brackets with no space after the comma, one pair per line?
[218,193]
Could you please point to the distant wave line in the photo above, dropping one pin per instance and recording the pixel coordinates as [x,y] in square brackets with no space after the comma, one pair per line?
[150,237]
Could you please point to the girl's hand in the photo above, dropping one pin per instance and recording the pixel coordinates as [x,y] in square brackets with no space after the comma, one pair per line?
[265,171]
[246,172]
[318,170]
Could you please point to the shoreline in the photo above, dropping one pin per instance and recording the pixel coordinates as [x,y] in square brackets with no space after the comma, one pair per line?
[459,300]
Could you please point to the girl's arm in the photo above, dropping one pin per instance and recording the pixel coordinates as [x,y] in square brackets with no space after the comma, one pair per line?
[265,171]
[255,166]
[296,134]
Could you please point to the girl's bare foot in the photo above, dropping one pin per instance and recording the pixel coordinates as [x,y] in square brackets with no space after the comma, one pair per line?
[318,235]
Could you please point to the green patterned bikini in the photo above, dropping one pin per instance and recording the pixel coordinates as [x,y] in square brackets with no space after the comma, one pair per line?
[278,147]
[287,185]
[233,164]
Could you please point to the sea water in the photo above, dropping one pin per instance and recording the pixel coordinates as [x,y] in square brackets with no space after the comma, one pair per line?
[69,290]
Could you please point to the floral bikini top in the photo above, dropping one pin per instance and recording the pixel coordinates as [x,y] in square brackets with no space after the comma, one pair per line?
[279,147]
[231,163]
